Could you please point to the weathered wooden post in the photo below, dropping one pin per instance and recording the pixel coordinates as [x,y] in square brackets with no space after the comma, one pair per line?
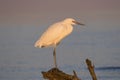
[91,69]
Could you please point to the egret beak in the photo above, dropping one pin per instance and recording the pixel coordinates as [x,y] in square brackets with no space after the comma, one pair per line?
[78,23]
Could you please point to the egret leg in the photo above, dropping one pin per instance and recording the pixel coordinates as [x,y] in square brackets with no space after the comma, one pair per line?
[54,55]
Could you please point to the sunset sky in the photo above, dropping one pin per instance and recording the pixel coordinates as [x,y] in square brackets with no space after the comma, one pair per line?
[47,11]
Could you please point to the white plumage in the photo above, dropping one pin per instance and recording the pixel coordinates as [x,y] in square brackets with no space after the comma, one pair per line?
[55,33]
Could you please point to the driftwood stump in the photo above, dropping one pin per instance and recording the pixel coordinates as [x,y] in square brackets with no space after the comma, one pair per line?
[56,74]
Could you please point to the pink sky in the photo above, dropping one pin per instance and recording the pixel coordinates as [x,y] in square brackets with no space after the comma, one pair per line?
[48,11]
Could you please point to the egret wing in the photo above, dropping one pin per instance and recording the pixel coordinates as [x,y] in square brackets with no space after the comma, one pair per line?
[53,34]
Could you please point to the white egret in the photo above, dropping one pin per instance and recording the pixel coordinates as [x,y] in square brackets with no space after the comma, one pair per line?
[55,33]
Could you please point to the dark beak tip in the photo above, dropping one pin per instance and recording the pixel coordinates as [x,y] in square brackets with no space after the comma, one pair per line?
[79,23]
[82,24]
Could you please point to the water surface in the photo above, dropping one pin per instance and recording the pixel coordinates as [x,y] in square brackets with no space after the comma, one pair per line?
[20,60]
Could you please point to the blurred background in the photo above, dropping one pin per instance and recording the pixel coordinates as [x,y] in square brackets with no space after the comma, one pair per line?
[22,22]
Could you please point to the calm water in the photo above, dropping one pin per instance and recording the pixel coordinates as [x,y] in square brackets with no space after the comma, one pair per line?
[19,60]
[34,73]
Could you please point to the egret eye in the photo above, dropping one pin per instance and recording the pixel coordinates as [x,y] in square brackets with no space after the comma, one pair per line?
[73,21]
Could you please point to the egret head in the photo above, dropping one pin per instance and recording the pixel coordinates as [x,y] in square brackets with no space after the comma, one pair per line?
[72,21]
